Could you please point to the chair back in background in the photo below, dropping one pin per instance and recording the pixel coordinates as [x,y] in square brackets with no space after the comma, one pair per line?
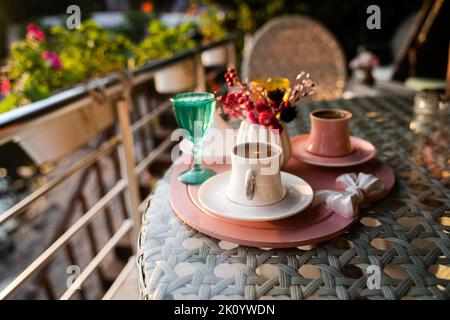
[285,46]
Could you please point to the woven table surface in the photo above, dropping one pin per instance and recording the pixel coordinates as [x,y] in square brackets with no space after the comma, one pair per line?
[405,236]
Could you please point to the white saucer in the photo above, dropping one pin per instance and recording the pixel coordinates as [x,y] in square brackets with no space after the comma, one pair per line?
[211,195]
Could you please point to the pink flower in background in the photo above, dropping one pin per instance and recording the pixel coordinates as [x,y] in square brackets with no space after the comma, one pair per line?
[53,58]
[34,32]
[5,87]
[365,59]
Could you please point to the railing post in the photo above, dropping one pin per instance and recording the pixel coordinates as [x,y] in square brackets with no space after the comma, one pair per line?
[231,54]
[200,74]
[127,164]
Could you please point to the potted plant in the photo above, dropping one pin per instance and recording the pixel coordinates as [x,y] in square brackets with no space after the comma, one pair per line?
[40,67]
[265,107]
[363,65]
[162,42]
[211,27]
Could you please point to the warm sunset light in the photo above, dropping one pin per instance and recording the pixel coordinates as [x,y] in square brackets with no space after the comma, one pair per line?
[225,152]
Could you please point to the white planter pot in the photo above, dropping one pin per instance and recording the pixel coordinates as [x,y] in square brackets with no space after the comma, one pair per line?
[215,57]
[250,132]
[58,135]
[176,78]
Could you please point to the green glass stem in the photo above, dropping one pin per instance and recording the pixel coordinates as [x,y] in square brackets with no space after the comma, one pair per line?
[197,155]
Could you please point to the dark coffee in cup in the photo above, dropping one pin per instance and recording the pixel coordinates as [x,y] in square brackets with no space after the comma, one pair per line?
[253,150]
[330,114]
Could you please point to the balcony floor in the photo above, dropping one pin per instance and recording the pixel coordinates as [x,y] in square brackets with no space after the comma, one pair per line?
[126,286]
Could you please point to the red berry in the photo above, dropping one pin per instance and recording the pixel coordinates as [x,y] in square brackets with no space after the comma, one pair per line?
[251,117]
[261,106]
[229,99]
[265,118]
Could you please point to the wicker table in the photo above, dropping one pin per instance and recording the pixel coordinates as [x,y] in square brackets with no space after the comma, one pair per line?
[406,235]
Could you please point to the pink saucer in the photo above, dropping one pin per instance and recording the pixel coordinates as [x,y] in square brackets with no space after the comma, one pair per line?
[314,225]
[362,152]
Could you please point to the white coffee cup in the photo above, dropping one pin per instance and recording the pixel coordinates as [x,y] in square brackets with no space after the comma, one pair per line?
[255,174]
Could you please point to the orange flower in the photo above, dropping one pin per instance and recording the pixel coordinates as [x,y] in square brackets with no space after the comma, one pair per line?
[147,7]
[191,10]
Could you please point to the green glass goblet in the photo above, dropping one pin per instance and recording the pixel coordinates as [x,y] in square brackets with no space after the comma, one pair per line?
[194,112]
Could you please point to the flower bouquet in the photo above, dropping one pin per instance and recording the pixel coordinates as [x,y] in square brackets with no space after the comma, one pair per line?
[265,105]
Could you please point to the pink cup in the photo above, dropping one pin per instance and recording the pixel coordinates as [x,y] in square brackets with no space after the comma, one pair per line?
[330,134]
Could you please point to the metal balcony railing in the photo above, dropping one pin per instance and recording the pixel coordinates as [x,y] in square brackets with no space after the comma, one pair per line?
[135,140]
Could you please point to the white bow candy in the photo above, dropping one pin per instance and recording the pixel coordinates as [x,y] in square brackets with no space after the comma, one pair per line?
[359,190]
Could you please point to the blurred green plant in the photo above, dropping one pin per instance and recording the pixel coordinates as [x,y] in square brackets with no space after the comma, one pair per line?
[92,51]
[247,16]
[37,66]
[34,70]
[244,17]
[163,41]
[210,24]
[135,25]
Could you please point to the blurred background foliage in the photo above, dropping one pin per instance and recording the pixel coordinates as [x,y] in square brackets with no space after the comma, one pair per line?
[162,41]
[48,59]
[142,36]
[91,43]
[62,58]
[346,19]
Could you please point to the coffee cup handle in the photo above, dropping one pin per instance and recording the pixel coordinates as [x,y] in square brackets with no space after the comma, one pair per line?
[249,184]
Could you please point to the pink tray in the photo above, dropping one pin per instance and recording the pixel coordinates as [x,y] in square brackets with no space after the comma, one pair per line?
[308,227]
